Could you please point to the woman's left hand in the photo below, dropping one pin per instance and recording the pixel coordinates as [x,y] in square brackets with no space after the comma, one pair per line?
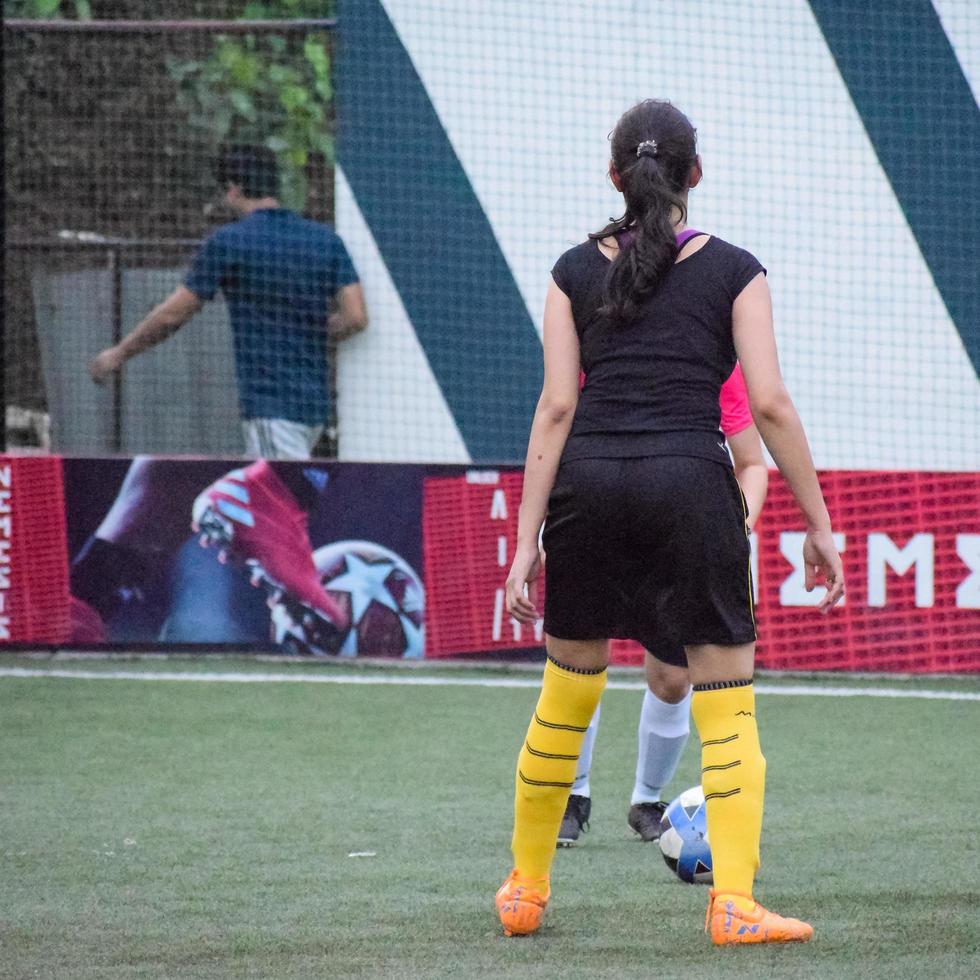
[524,571]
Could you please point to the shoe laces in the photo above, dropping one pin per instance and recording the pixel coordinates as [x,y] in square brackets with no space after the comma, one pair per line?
[580,808]
[531,884]
[651,811]
[713,895]
[657,808]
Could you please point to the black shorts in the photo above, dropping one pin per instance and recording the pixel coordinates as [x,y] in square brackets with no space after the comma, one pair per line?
[653,549]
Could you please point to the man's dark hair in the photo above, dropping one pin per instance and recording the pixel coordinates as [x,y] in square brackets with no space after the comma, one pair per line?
[252,168]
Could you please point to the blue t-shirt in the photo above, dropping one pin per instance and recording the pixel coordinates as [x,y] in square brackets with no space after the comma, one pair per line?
[278,273]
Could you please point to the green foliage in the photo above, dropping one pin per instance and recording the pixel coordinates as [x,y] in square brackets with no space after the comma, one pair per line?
[268,89]
[265,89]
[48,9]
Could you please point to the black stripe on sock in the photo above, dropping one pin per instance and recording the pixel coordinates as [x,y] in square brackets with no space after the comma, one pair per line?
[721,796]
[542,782]
[727,765]
[720,741]
[564,728]
[722,685]
[549,755]
[574,670]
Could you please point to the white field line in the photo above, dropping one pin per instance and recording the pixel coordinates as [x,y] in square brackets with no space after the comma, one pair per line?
[798,690]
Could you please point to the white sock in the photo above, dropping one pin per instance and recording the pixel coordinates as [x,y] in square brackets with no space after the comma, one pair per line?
[581,785]
[662,735]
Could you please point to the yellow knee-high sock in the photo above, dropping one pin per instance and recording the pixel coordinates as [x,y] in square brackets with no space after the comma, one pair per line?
[733,775]
[546,765]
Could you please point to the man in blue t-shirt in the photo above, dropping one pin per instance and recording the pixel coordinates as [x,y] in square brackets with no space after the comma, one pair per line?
[281,276]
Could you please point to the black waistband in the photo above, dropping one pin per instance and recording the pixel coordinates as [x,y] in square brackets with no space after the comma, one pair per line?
[627,445]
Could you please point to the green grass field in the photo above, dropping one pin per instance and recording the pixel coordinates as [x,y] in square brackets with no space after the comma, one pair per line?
[171,830]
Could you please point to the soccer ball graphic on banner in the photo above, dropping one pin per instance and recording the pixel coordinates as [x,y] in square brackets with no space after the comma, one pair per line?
[684,838]
[381,594]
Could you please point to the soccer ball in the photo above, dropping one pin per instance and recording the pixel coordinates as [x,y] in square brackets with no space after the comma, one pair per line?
[378,590]
[684,838]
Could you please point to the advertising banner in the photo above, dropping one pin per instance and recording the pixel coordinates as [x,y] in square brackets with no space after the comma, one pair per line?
[346,559]
[910,544]
[308,558]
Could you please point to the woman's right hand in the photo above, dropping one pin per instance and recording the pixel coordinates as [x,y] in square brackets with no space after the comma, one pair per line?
[822,562]
[524,572]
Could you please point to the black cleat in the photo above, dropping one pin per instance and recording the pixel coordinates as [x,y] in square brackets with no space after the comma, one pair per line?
[575,821]
[644,818]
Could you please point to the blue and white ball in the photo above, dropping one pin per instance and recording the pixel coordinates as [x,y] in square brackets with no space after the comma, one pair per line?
[684,838]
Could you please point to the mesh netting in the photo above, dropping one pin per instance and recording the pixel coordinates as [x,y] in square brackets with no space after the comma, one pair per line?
[459,148]
[470,132]
[472,151]
[112,140]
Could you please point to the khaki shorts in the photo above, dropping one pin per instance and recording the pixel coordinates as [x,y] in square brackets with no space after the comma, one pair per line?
[279,438]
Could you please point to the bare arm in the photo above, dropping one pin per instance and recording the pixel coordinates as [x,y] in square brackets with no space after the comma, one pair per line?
[162,322]
[750,469]
[350,316]
[549,430]
[782,431]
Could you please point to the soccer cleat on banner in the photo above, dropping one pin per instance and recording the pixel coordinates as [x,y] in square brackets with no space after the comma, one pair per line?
[729,925]
[576,820]
[645,819]
[86,623]
[521,903]
[252,516]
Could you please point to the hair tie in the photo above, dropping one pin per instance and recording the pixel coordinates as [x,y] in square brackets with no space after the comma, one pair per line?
[648,148]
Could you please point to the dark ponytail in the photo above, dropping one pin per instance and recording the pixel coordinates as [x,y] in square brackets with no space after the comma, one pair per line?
[653,151]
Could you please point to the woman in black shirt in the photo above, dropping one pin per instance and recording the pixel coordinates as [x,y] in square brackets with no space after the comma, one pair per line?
[645,531]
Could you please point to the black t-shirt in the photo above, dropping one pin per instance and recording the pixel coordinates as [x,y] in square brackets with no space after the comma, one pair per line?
[652,386]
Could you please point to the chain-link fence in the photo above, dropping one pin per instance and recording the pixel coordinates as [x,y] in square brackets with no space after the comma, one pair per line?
[113,129]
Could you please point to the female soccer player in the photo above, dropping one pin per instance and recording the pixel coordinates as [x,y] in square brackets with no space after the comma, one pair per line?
[664,722]
[645,521]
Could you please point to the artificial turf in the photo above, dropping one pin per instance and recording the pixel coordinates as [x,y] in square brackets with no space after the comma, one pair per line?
[204,830]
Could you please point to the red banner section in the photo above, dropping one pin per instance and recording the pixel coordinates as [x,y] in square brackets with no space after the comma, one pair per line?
[469,527]
[911,549]
[34,602]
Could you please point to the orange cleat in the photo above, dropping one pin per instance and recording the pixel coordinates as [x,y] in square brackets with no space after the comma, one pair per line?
[521,903]
[729,925]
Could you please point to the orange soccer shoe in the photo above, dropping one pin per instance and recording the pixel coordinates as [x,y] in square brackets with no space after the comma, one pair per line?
[730,925]
[521,903]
